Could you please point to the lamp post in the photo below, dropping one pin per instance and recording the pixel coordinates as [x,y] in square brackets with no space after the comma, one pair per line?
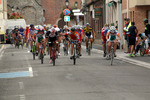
[77,17]
[67,4]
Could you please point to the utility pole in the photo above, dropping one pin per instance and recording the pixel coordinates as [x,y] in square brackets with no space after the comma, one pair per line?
[120,23]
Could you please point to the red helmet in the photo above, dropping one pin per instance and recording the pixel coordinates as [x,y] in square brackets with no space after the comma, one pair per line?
[54,26]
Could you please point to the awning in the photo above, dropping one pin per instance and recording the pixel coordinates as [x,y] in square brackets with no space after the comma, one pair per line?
[111,3]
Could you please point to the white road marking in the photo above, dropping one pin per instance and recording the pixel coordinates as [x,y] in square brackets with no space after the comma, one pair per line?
[21,86]
[1,55]
[31,71]
[30,68]
[22,97]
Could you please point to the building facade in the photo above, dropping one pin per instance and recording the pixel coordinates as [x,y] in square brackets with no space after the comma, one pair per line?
[54,8]
[94,11]
[31,10]
[137,11]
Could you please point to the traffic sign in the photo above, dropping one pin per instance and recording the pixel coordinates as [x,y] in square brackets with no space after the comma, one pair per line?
[76,10]
[66,12]
[67,18]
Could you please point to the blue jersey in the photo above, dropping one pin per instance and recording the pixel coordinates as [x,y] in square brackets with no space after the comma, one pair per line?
[21,32]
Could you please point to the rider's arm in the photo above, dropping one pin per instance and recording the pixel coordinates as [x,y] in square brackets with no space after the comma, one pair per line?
[107,36]
[93,34]
[119,36]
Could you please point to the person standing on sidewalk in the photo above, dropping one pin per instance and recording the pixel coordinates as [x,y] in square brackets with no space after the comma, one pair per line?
[132,38]
[126,28]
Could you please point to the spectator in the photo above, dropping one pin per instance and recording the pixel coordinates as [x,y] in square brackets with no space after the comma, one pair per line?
[127,26]
[132,38]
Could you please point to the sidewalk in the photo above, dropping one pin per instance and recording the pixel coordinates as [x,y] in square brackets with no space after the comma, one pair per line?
[139,60]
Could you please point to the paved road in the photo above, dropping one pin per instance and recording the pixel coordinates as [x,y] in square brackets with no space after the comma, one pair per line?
[91,79]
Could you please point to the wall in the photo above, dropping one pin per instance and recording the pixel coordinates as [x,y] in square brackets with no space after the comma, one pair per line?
[53,9]
[30,9]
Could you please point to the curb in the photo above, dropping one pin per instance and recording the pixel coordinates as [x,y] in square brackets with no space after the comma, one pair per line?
[2,48]
[125,59]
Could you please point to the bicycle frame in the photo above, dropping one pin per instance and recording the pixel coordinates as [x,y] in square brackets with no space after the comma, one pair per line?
[75,42]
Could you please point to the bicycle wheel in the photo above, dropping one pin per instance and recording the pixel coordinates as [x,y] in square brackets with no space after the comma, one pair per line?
[74,56]
[89,49]
[53,59]
[112,55]
[41,56]
[33,51]
[142,50]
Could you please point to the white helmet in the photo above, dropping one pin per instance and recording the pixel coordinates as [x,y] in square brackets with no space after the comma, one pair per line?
[40,28]
[78,27]
[52,29]
[112,29]
[65,27]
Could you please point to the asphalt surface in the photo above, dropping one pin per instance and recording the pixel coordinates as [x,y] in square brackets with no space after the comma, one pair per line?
[91,79]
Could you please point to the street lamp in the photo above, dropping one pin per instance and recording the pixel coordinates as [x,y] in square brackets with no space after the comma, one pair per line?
[67,3]
[13,9]
[76,4]
[17,9]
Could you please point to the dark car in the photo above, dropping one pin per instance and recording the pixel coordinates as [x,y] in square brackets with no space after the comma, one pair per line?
[8,35]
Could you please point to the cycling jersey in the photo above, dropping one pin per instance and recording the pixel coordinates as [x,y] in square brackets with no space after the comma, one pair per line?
[74,36]
[21,32]
[32,33]
[66,36]
[113,36]
[80,34]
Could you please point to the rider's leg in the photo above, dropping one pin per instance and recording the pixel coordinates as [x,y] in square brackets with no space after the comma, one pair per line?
[37,47]
[72,47]
[86,39]
[109,47]
[50,53]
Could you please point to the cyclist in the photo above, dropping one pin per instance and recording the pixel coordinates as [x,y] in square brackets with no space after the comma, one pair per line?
[40,38]
[103,38]
[112,36]
[73,36]
[26,33]
[65,30]
[52,39]
[21,33]
[16,34]
[147,30]
[80,31]
[57,30]
[89,33]
[32,35]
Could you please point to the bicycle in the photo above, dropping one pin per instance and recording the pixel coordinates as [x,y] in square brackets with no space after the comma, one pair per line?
[33,50]
[65,48]
[143,48]
[53,52]
[22,41]
[17,42]
[75,50]
[89,46]
[41,53]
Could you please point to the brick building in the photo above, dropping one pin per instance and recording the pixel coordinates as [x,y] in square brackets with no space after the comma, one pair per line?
[53,9]
[138,10]
[34,10]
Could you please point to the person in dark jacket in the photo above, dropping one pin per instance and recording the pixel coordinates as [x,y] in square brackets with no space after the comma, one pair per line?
[132,38]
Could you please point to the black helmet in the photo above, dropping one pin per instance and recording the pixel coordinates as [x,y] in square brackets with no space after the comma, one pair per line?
[31,25]
[145,20]
[73,29]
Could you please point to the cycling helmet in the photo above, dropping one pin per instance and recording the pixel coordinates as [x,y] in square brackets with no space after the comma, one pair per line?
[40,28]
[73,29]
[52,29]
[112,29]
[78,27]
[54,26]
[87,24]
[145,20]
[31,25]
[65,27]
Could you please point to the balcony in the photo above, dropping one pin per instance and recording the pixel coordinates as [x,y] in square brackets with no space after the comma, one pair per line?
[142,2]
